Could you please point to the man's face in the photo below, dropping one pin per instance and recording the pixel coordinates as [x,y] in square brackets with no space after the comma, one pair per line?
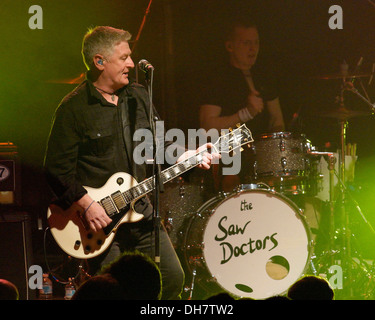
[117,66]
[243,47]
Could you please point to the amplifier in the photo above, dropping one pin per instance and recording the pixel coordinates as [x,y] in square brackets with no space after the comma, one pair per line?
[16,253]
[10,175]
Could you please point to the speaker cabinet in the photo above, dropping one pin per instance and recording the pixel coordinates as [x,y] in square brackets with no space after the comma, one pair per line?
[10,175]
[16,251]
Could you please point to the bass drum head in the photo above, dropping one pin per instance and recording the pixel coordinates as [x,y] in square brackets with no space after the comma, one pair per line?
[255,244]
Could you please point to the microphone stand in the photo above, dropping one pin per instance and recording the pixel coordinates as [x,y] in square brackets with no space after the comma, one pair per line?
[158,184]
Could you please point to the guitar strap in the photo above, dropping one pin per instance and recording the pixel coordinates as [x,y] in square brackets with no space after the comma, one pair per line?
[127,132]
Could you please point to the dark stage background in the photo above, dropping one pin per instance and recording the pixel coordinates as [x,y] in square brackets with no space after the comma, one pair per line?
[183,40]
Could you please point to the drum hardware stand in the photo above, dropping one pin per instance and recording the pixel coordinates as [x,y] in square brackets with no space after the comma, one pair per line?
[350,87]
[346,250]
[191,288]
[347,257]
[359,209]
[331,167]
[346,246]
[348,238]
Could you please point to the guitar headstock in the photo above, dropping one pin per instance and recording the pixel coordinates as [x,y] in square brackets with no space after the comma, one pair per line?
[234,139]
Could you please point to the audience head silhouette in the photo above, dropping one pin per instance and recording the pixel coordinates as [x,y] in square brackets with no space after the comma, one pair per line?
[138,276]
[8,291]
[311,288]
[99,287]
[133,276]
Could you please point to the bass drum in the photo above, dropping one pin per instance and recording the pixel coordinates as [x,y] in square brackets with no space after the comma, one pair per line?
[251,243]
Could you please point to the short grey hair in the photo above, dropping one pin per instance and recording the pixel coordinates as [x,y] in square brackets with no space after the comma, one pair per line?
[101,40]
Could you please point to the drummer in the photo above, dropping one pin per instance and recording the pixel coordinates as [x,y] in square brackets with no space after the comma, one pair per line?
[241,92]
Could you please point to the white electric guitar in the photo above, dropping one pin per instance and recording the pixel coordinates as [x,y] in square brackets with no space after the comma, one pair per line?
[117,197]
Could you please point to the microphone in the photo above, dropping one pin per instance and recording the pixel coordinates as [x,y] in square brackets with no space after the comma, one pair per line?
[145,66]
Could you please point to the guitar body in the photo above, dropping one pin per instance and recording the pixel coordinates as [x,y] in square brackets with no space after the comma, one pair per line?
[117,197]
[69,228]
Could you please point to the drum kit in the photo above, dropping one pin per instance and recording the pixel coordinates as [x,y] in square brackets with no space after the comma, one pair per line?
[257,240]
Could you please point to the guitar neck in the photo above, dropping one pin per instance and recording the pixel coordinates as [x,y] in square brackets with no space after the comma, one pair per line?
[166,175]
[226,143]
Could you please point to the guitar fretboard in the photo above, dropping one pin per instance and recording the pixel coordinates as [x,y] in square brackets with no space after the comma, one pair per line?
[166,175]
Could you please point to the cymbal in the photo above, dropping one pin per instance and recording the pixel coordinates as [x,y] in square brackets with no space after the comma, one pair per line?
[335,76]
[76,80]
[343,114]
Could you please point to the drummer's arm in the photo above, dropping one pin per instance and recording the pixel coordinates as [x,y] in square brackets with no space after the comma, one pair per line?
[209,116]
[276,123]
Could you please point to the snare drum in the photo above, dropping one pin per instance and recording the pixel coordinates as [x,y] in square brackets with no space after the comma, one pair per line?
[251,243]
[282,161]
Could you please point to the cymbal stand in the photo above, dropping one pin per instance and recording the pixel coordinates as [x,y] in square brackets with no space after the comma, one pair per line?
[345,247]
[350,87]
[343,211]
[331,166]
[347,259]
[341,253]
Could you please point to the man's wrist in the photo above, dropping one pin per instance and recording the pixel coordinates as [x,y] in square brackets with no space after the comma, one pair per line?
[244,115]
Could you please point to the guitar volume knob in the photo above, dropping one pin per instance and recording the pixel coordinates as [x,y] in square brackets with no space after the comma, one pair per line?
[77,244]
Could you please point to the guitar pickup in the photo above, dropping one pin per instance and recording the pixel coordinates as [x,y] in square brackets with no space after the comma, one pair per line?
[119,200]
[108,206]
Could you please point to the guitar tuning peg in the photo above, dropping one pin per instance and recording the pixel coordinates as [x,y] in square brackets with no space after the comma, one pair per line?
[238,125]
[230,129]
[248,145]
[241,149]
